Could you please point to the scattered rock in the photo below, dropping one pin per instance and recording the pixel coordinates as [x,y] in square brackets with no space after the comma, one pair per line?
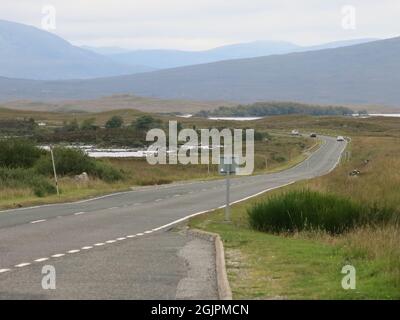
[354,173]
[83,177]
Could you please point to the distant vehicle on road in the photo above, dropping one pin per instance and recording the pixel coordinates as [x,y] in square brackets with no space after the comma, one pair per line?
[340,138]
[313,135]
[295,133]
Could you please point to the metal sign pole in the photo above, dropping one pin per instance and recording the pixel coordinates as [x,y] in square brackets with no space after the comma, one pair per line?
[227,206]
[54,170]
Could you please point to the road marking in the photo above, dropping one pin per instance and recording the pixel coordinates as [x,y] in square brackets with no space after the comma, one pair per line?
[111,241]
[87,248]
[147,232]
[131,236]
[21,265]
[38,221]
[58,255]
[99,244]
[140,234]
[210,210]
[79,213]
[158,200]
[41,259]
[177,195]
[113,208]
[74,251]
[4,270]
[122,238]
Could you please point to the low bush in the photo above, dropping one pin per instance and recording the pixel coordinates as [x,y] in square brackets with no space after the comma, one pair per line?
[308,210]
[18,153]
[26,178]
[73,162]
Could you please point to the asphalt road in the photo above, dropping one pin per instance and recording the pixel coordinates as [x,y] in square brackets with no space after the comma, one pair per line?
[119,246]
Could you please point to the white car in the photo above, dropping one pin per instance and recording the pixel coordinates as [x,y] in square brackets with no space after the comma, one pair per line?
[340,138]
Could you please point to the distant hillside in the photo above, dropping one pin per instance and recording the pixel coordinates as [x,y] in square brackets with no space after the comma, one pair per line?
[117,102]
[364,74]
[262,109]
[163,59]
[30,53]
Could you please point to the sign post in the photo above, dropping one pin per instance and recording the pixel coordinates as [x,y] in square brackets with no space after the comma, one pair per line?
[54,170]
[227,166]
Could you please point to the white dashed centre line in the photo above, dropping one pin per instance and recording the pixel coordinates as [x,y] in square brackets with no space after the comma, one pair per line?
[111,241]
[21,265]
[158,200]
[41,259]
[38,221]
[147,232]
[87,248]
[4,270]
[140,234]
[99,244]
[79,213]
[122,238]
[131,236]
[74,251]
[58,255]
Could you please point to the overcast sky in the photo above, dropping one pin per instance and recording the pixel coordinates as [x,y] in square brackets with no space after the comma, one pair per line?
[203,24]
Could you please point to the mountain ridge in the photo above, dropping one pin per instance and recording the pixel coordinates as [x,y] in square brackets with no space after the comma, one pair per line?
[30,53]
[165,59]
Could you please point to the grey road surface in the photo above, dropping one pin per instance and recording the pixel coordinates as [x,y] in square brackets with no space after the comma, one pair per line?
[120,246]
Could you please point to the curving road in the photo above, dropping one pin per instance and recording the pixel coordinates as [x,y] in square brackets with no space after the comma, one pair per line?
[119,246]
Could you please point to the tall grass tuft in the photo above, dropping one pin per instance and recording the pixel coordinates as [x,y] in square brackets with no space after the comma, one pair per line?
[296,211]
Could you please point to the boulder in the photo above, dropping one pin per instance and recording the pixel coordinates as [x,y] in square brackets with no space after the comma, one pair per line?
[83,177]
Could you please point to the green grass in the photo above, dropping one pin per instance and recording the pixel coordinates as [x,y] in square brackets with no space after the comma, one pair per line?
[266,266]
[19,178]
[307,264]
[300,210]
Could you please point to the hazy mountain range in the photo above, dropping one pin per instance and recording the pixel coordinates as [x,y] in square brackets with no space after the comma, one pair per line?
[356,74]
[164,59]
[30,53]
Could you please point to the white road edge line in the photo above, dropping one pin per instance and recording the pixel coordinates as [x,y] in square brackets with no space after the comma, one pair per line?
[243,199]
[205,211]
[38,221]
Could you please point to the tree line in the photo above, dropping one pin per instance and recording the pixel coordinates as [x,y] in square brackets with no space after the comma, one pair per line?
[262,109]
